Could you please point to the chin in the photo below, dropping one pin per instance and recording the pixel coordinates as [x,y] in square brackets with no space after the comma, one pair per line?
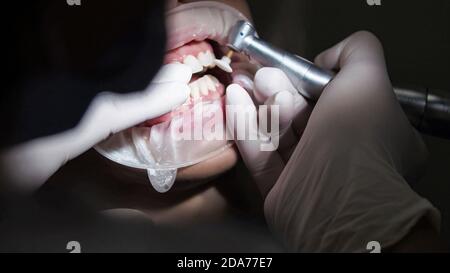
[210,168]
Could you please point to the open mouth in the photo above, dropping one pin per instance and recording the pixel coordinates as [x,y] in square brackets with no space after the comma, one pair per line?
[196,37]
[208,81]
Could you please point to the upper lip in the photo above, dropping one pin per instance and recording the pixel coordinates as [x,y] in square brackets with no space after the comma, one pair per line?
[199,21]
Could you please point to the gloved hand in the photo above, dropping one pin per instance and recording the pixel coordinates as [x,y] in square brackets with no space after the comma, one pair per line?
[337,180]
[30,164]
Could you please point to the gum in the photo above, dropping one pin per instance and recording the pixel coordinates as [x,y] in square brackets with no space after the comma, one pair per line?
[192,48]
[187,106]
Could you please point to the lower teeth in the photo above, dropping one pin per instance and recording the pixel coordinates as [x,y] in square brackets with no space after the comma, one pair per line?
[203,85]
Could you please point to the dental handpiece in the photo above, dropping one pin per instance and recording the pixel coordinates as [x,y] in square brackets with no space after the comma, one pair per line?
[428,110]
[307,78]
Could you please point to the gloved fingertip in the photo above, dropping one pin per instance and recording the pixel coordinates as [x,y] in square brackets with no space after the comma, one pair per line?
[243,79]
[164,95]
[270,80]
[265,72]
[318,60]
[284,98]
[234,88]
[285,101]
[174,72]
[328,59]
[181,94]
[236,95]
[266,81]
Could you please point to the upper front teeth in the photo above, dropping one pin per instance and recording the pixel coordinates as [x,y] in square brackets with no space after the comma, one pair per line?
[206,60]
[194,63]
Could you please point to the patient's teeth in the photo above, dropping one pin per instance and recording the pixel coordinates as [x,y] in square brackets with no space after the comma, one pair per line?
[205,59]
[193,63]
[203,86]
[215,80]
[210,83]
[195,90]
[211,59]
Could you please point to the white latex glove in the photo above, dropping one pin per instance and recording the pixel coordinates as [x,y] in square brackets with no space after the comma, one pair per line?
[30,164]
[337,181]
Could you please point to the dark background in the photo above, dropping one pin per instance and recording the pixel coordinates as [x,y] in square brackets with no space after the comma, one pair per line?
[416,39]
[415,33]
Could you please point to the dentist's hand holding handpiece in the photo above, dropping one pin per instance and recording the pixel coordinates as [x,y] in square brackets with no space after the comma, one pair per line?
[337,180]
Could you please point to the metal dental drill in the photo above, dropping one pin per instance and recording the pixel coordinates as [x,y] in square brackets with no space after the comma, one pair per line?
[307,78]
[428,110]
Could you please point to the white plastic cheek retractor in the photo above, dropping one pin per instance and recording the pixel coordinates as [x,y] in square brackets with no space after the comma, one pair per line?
[161,150]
